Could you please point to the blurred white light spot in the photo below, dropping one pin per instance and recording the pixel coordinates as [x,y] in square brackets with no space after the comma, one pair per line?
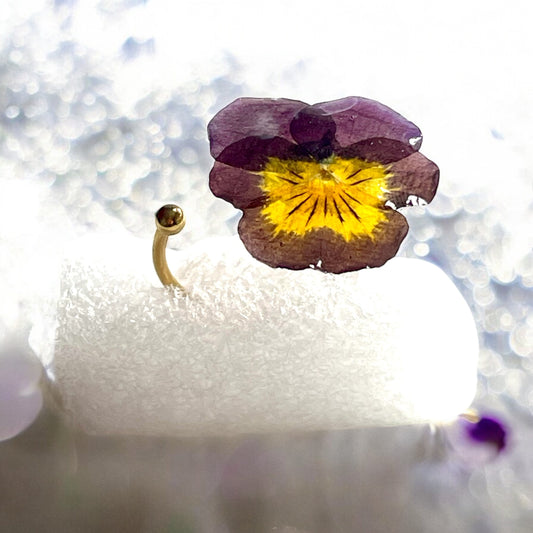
[188,156]
[421,249]
[521,340]
[12,111]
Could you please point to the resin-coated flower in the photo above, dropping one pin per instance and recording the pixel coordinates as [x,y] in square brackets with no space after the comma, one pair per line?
[319,184]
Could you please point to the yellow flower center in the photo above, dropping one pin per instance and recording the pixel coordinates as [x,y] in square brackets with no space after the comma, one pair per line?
[345,195]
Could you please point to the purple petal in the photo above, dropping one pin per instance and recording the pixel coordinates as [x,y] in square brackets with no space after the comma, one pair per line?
[249,117]
[252,153]
[416,176]
[358,119]
[237,186]
[312,125]
[384,151]
[323,248]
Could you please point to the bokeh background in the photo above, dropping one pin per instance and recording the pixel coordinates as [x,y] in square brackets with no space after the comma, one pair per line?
[103,113]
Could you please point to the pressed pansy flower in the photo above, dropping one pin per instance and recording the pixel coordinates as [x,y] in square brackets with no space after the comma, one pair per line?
[319,185]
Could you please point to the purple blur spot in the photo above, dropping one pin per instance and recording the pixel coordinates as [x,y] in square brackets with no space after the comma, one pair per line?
[489,431]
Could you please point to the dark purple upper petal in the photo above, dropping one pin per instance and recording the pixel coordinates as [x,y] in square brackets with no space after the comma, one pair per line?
[312,125]
[358,119]
[251,117]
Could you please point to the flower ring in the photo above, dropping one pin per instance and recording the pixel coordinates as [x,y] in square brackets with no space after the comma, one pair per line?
[319,185]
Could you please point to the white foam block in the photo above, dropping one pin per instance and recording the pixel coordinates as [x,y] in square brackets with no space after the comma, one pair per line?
[255,349]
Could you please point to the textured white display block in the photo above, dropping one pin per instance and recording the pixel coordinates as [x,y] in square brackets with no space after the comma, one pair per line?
[253,349]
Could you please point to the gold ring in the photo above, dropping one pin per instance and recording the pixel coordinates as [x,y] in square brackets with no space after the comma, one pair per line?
[169,220]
